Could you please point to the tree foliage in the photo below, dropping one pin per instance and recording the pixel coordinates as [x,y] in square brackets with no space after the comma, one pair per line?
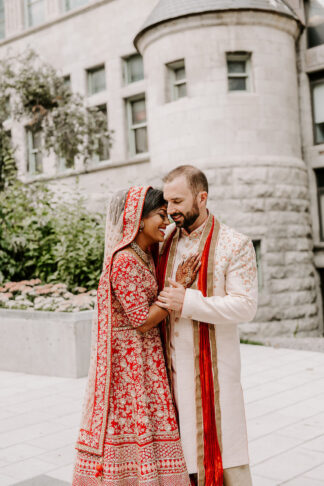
[34,93]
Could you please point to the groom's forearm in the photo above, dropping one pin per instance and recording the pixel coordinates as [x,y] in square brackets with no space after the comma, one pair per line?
[230,309]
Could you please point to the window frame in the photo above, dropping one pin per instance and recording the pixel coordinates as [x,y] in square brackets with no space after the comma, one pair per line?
[96,158]
[175,83]
[69,9]
[315,79]
[32,152]
[3,20]
[307,8]
[240,56]
[27,17]
[90,71]
[131,128]
[320,193]
[126,70]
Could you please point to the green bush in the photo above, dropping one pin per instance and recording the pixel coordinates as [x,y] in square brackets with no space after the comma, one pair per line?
[43,237]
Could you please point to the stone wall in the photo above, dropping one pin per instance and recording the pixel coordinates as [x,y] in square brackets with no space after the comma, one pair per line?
[248,144]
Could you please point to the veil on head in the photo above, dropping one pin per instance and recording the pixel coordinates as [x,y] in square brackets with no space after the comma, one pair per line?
[114,221]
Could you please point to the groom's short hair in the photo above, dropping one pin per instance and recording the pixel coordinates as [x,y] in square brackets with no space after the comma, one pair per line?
[196,178]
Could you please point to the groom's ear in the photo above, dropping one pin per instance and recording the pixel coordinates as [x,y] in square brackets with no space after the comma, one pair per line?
[202,198]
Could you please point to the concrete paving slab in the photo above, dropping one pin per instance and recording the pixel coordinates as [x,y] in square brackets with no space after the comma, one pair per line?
[40,416]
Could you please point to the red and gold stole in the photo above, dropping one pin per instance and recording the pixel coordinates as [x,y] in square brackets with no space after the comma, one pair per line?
[210,468]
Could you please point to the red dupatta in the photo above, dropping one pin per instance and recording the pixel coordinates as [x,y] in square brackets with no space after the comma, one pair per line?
[210,468]
[95,409]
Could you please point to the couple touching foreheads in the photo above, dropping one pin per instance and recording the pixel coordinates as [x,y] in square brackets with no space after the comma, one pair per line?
[164,403]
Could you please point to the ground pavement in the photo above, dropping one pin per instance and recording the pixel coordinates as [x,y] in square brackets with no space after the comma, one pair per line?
[284,394]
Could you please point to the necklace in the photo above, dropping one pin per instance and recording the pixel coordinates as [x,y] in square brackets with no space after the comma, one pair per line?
[143,255]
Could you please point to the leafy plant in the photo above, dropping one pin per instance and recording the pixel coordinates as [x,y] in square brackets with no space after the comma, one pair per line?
[41,237]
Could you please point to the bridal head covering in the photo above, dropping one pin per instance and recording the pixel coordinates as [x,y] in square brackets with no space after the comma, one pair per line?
[122,225]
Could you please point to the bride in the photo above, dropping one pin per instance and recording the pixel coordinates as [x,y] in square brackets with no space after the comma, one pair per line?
[129,434]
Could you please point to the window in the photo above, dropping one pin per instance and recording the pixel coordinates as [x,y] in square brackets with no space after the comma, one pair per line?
[96,78]
[104,143]
[177,80]
[238,71]
[320,195]
[257,248]
[71,4]
[64,164]
[133,69]
[137,126]
[315,22]
[2,20]
[34,12]
[317,88]
[34,155]
[67,81]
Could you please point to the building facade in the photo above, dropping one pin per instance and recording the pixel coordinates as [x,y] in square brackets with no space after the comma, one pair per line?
[235,88]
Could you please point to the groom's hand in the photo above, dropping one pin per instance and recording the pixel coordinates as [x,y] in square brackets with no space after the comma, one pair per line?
[172,298]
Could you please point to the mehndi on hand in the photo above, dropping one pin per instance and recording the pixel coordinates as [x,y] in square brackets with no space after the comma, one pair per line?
[187,270]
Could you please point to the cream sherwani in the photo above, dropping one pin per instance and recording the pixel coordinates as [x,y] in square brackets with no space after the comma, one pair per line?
[234,301]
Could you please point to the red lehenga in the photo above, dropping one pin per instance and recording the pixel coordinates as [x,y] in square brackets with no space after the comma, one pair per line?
[129,434]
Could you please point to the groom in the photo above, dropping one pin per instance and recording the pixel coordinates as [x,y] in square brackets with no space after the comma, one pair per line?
[202,341]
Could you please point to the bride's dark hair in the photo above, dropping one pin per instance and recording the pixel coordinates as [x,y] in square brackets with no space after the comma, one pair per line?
[154,199]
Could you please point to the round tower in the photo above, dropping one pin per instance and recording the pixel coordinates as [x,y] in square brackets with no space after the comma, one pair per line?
[222,95]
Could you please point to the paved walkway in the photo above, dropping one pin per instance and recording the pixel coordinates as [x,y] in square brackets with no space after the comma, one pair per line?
[284,393]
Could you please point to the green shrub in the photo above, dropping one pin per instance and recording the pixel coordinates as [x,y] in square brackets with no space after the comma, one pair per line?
[41,237]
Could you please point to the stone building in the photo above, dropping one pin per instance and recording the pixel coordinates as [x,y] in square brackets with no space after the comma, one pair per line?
[235,87]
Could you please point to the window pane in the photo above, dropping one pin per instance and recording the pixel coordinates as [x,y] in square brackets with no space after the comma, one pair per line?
[320,177]
[319,133]
[67,81]
[96,81]
[104,142]
[237,84]
[318,100]
[315,22]
[2,20]
[321,204]
[180,73]
[38,163]
[138,112]
[135,69]
[141,140]
[236,66]
[70,4]
[35,12]
[37,140]
[181,90]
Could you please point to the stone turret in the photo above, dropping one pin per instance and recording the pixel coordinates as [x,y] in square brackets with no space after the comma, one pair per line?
[247,141]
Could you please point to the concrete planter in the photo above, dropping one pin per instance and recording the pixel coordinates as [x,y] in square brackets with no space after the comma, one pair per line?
[45,343]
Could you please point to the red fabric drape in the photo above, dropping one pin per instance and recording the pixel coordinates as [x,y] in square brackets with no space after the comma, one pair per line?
[212,454]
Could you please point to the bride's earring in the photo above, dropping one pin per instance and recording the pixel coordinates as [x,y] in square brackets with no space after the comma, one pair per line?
[141,226]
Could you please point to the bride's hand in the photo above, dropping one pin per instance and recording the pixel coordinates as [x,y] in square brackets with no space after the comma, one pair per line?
[187,270]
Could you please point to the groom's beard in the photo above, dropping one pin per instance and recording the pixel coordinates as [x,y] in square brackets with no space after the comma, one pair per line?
[188,219]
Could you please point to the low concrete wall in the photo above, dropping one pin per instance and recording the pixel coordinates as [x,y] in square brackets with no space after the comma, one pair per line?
[45,343]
